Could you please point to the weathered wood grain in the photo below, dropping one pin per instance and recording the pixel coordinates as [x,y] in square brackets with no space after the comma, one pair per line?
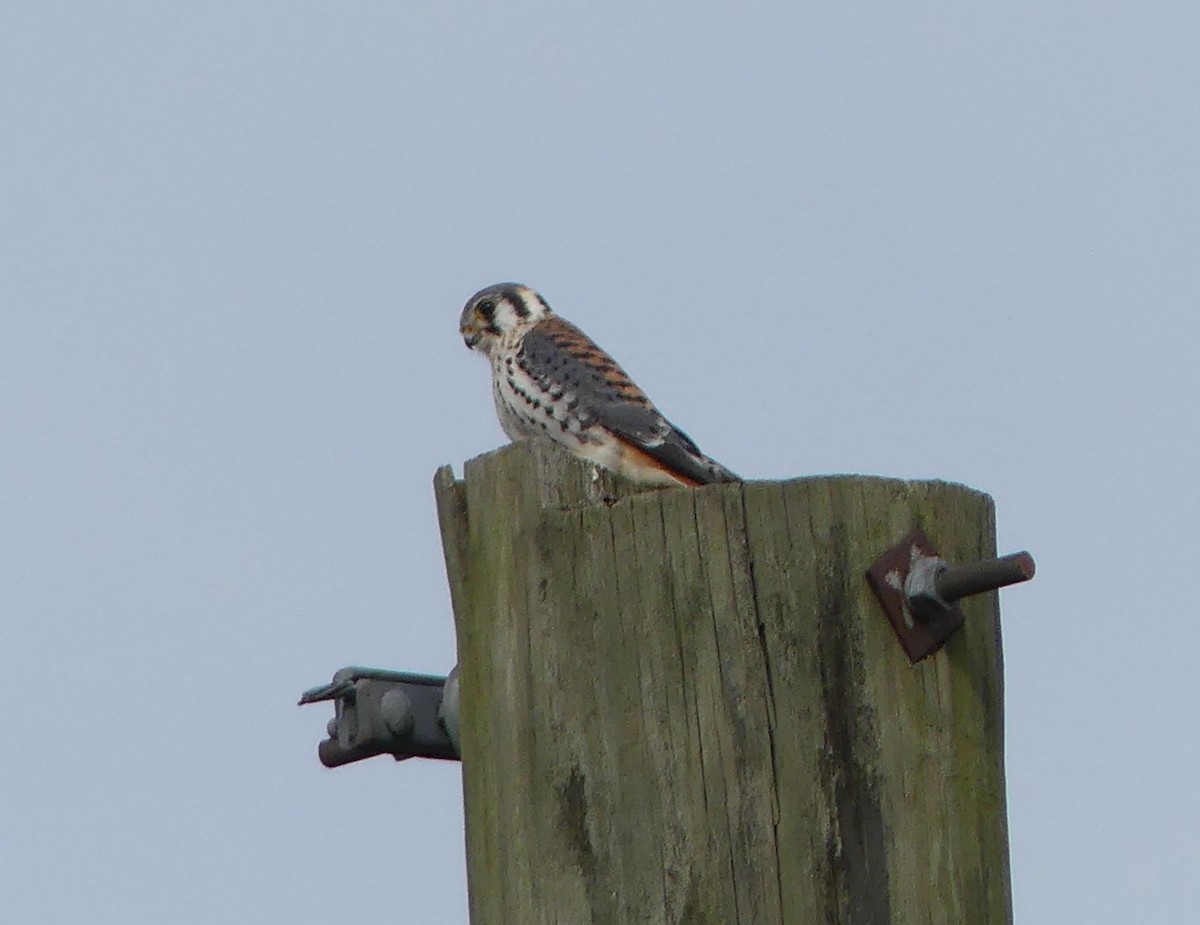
[684,706]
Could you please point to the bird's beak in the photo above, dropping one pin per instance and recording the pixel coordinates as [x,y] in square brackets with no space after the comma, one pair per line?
[471,336]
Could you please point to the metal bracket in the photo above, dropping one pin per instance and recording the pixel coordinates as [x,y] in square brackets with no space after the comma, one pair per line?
[395,713]
[918,590]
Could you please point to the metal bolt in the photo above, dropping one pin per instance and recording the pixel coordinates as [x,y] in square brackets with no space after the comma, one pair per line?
[958,581]
[395,709]
[933,585]
[917,589]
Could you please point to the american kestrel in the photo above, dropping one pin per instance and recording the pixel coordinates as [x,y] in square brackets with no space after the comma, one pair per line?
[550,378]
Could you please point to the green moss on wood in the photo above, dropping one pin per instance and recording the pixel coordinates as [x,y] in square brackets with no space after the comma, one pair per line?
[685,705]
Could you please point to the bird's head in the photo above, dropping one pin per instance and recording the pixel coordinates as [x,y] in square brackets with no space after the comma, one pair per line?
[500,311]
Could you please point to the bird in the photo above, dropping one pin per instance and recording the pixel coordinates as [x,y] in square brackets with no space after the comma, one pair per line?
[550,379]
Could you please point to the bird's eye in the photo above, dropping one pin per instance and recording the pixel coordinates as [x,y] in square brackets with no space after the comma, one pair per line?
[487,309]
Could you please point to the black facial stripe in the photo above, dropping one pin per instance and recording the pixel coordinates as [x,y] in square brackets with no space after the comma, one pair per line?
[519,306]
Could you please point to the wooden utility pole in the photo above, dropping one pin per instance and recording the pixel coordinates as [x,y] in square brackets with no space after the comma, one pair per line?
[685,705]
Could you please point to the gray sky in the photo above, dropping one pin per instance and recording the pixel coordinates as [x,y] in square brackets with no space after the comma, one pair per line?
[923,240]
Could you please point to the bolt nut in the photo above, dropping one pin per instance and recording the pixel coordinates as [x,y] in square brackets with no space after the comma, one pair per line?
[920,589]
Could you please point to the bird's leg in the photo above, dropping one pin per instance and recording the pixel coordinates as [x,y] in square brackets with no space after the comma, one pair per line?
[595,493]
[593,487]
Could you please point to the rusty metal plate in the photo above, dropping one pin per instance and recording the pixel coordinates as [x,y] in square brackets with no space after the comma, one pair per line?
[887,577]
